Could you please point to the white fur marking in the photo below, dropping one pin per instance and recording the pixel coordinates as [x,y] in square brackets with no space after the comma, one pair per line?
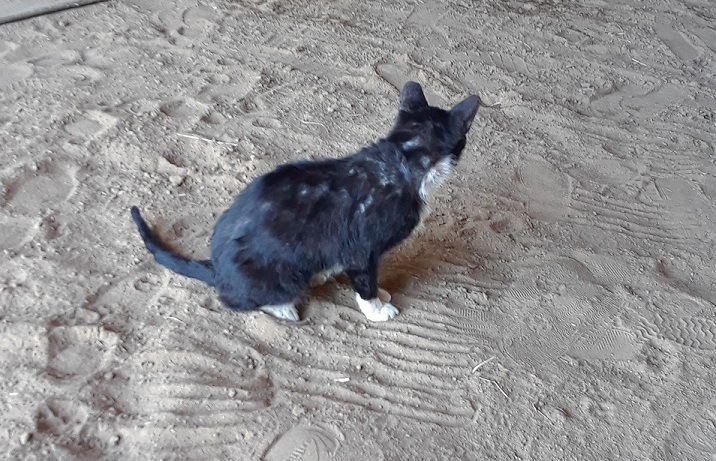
[435,177]
[376,310]
[412,143]
[282,311]
[365,204]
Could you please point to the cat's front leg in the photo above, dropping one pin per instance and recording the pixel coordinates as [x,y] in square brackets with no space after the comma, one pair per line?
[368,295]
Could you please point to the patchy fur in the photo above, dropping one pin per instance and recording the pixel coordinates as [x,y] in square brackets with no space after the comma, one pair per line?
[307,220]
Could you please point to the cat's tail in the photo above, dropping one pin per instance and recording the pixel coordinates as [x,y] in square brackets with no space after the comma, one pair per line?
[201,270]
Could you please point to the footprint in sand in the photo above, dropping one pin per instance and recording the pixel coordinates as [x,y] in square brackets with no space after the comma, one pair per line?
[20,287]
[694,437]
[202,386]
[546,191]
[76,351]
[64,65]
[690,331]
[677,42]
[6,47]
[107,306]
[577,323]
[690,202]
[58,416]
[201,17]
[91,125]
[33,192]
[643,100]
[708,36]
[188,109]
[393,74]
[69,424]
[304,444]
[188,387]
[657,100]
[605,343]
[16,231]
[510,63]
[14,73]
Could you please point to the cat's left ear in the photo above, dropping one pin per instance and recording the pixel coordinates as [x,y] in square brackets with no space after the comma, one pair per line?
[412,98]
[462,115]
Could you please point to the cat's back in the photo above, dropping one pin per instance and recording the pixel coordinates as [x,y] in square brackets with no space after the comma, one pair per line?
[277,196]
[309,199]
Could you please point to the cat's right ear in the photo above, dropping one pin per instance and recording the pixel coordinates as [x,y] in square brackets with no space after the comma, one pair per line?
[412,98]
[463,114]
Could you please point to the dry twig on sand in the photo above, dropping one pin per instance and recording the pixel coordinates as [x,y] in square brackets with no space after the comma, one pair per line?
[314,123]
[497,386]
[483,363]
[200,138]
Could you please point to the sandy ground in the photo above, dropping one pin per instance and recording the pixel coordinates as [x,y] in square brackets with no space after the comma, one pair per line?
[570,259]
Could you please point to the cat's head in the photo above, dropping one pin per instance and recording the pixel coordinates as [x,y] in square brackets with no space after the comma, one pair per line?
[429,134]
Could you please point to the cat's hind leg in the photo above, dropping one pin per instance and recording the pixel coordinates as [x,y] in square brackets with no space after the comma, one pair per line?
[282,311]
[321,278]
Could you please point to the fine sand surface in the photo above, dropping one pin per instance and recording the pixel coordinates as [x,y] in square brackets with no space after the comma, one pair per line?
[559,305]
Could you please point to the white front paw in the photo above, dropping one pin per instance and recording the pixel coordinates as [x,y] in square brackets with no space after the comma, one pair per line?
[376,310]
[387,312]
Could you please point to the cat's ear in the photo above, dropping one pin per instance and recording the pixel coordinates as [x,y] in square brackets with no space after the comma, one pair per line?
[412,98]
[462,115]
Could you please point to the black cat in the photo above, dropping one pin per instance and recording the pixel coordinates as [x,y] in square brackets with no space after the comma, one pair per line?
[307,221]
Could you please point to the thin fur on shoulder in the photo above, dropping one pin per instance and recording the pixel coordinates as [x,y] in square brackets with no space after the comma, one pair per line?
[307,219]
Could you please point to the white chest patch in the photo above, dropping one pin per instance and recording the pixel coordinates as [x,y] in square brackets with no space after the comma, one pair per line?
[432,181]
[435,178]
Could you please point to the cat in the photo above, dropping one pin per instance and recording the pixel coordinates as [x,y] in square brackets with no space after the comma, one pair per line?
[307,221]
